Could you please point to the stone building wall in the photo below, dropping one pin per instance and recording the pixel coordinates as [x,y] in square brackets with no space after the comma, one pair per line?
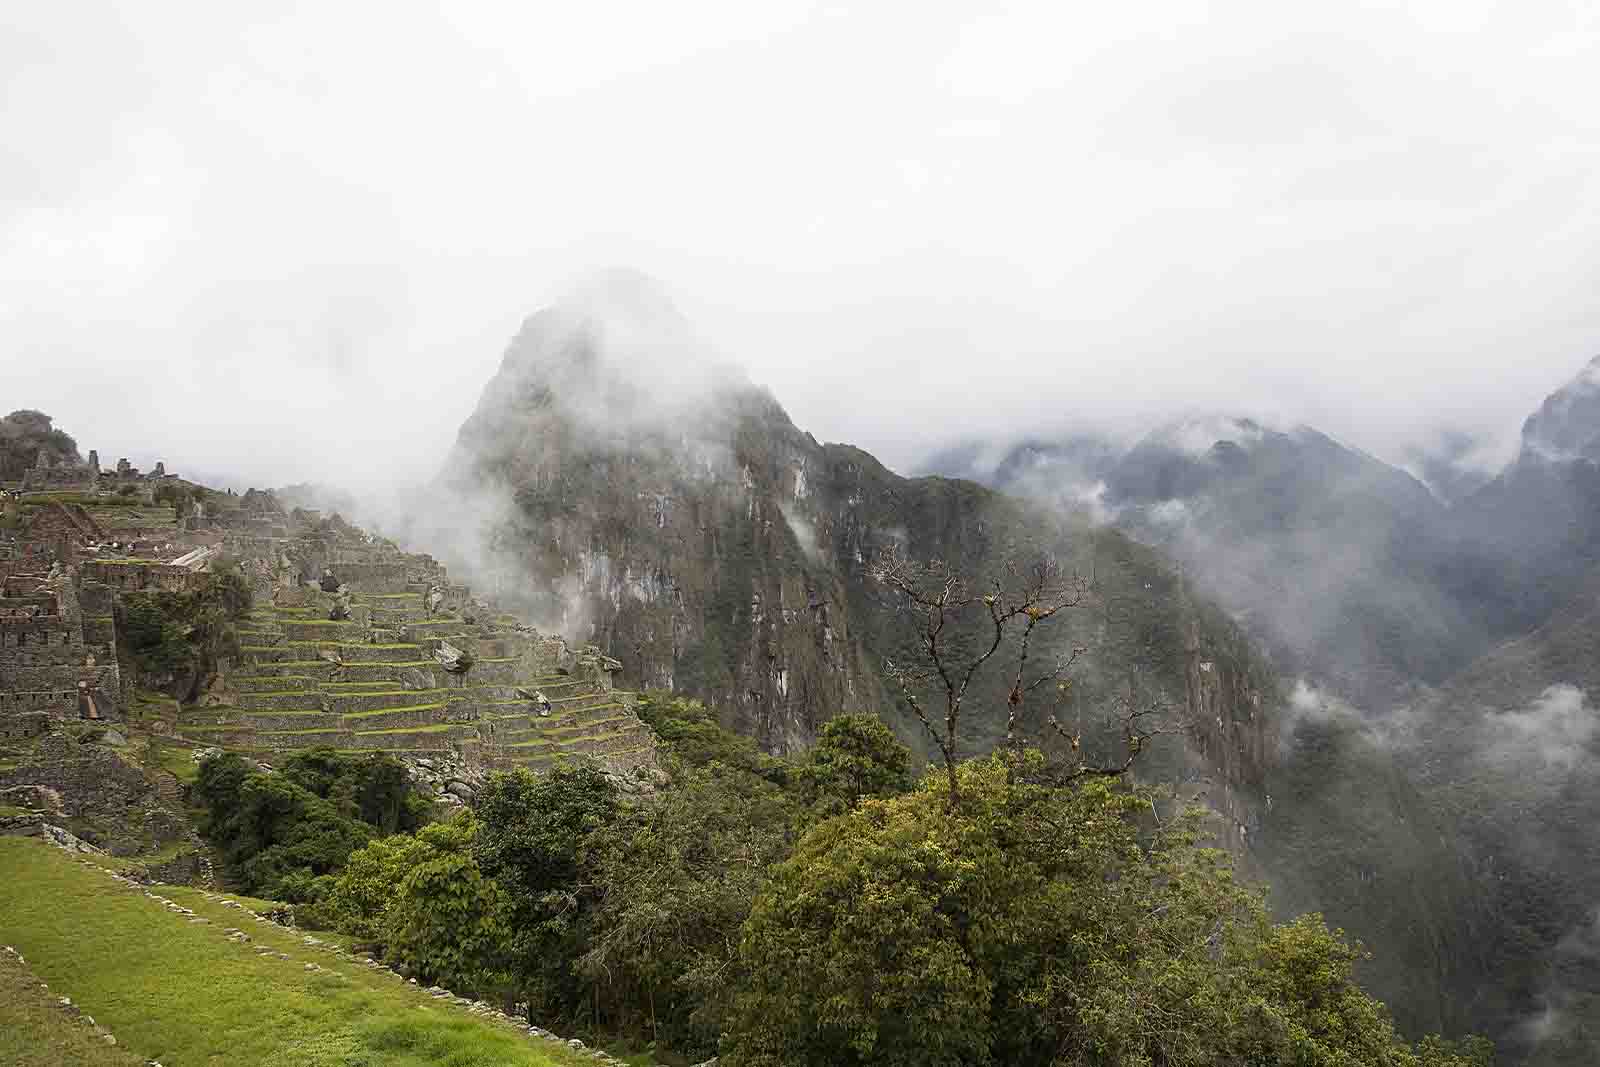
[143,577]
[60,660]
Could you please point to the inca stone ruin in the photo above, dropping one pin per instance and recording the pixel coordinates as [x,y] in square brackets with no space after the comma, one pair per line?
[351,643]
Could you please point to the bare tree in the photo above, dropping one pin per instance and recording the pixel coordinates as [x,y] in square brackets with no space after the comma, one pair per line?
[950,609]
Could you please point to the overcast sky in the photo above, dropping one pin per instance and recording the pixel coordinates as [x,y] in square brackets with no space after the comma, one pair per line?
[272,239]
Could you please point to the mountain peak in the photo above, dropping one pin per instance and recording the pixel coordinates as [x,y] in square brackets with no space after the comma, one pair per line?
[1567,425]
[613,346]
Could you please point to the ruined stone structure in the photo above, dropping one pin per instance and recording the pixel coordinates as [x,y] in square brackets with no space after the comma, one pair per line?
[61,533]
[357,645]
[58,656]
[49,476]
[353,643]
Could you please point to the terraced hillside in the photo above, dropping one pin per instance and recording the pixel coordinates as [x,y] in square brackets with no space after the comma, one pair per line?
[356,645]
[378,681]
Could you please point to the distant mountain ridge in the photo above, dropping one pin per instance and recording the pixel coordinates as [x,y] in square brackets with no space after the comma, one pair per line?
[1453,821]
[1323,551]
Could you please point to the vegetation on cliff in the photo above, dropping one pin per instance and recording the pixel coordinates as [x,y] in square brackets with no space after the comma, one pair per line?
[837,910]
[177,640]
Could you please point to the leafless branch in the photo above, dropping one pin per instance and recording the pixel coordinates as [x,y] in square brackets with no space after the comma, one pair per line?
[942,600]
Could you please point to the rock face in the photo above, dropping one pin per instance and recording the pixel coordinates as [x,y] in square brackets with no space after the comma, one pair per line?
[635,494]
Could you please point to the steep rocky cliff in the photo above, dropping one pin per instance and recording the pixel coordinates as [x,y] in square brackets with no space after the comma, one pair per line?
[625,488]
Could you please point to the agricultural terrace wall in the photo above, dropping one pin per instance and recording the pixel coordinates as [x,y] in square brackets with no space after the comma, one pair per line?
[373,577]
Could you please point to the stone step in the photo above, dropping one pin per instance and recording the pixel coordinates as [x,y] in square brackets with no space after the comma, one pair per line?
[392,673]
[358,652]
[231,735]
[397,618]
[314,737]
[400,718]
[438,736]
[314,669]
[389,599]
[269,683]
[560,720]
[435,628]
[286,721]
[282,700]
[381,699]
[568,735]
[321,630]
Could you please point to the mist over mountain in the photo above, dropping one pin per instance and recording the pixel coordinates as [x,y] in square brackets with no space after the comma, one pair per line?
[1435,787]
[623,482]
[1256,331]
[620,483]
[1324,552]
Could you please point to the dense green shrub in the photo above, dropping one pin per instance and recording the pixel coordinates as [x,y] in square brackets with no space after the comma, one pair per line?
[694,735]
[855,756]
[448,922]
[1036,925]
[282,835]
[835,911]
[535,841]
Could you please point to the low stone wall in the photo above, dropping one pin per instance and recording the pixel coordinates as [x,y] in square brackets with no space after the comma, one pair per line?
[373,577]
[270,720]
[289,700]
[351,703]
[28,715]
[494,672]
[186,868]
[321,630]
[397,720]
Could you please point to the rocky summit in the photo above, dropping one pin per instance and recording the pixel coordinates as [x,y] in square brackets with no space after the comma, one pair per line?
[686,527]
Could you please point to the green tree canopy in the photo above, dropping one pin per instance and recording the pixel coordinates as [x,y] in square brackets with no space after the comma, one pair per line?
[1037,926]
[855,756]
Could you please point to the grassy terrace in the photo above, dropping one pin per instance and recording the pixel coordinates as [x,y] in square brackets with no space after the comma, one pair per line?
[177,991]
[357,716]
[438,728]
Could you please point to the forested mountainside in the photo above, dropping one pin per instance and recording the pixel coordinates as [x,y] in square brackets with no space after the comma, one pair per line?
[1434,791]
[657,504]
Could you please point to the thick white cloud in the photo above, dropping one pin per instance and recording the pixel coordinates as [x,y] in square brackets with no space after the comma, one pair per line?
[278,240]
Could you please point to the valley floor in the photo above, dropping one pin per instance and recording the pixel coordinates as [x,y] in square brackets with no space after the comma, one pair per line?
[179,989]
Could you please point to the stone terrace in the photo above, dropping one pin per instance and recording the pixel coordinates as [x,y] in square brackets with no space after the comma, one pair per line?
[378,681]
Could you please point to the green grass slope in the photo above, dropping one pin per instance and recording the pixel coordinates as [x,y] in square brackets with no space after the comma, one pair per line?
[176,989]
[34,1029]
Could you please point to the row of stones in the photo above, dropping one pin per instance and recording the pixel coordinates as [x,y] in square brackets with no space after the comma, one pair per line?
[239,937]
[69,1009]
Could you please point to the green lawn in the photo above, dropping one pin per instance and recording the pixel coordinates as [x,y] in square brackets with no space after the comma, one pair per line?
[35,1030]
[179,992]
